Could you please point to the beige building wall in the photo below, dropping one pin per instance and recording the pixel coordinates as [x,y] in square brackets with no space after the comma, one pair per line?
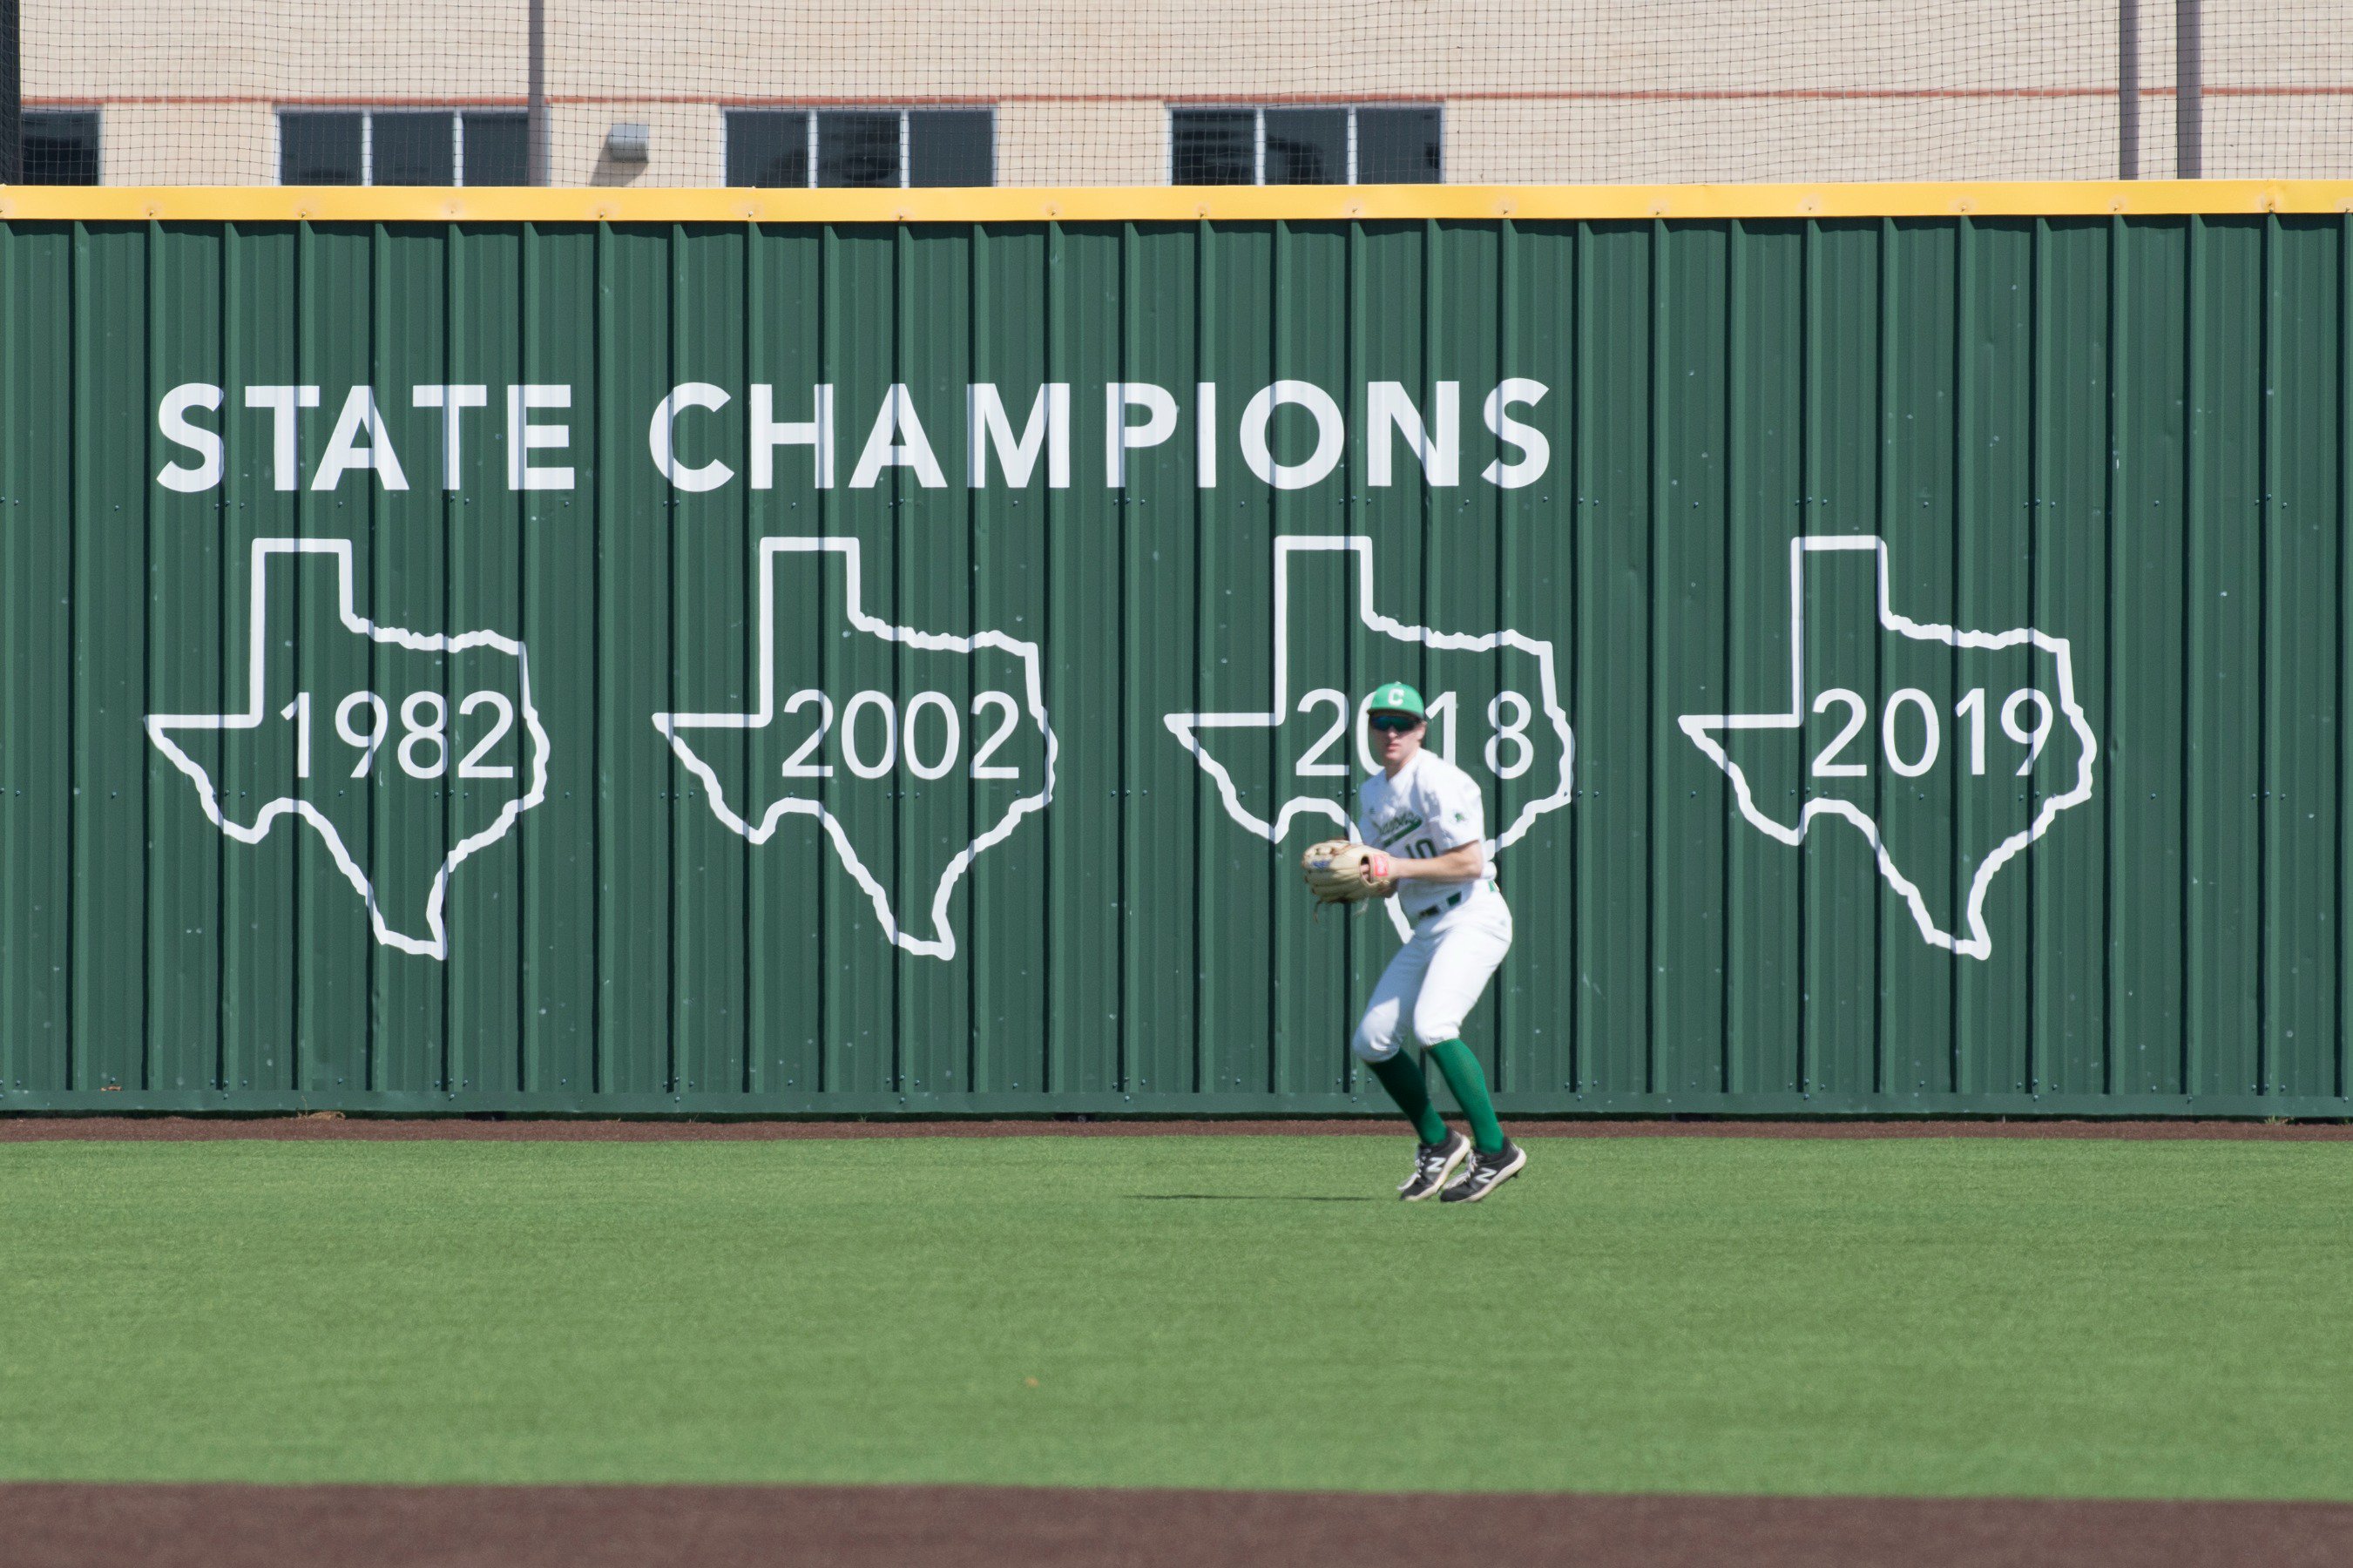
[1082,145]
[1589,142]
[188,144]
[2281,138]
[1634,90]
[685,146]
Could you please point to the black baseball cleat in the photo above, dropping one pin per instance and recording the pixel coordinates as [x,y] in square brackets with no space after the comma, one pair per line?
[1486,1172]
[1432,1164]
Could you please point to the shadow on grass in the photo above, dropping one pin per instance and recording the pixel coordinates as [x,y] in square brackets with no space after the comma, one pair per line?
[1248,1198]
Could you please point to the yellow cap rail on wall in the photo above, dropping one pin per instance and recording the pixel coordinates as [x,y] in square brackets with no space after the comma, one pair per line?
[1173,204]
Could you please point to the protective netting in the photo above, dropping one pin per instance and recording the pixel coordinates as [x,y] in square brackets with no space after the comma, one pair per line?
[894,92]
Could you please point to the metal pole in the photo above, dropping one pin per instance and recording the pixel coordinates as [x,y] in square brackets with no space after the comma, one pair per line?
[2128,90]
[11,96]
[536,118]
[2189,152]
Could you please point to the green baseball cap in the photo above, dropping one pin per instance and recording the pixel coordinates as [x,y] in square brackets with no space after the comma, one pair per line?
[1396,697]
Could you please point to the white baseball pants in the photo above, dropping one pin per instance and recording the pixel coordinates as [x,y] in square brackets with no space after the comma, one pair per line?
[1436,978]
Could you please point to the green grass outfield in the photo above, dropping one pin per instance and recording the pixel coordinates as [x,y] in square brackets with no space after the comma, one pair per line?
[1961,1316]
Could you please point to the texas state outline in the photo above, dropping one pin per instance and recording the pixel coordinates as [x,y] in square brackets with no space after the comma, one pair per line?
[942,944]
[1701,729]
[161,727]
[1186,727]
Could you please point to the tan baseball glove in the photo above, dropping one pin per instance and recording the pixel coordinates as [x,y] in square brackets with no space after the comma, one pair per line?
[1339,872]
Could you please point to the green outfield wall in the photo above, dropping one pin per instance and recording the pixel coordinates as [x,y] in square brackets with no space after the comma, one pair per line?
[893,667]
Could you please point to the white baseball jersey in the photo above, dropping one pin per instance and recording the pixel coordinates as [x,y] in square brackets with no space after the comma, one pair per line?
[1431,806]
[1461,930]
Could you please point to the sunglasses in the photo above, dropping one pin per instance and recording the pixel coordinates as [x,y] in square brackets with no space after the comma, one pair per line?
[1394,723]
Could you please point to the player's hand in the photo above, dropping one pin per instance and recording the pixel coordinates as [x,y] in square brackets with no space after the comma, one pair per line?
[1339,872]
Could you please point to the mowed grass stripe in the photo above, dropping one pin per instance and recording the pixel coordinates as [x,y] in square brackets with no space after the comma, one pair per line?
[1905,1317]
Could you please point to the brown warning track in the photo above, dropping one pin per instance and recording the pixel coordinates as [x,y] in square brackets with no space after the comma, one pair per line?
[68,1526]
[28,1128]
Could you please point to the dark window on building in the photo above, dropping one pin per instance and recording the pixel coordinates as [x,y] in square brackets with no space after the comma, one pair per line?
[60,147]
[857,148]
[861,148]
[403,147]
[1306,147]
[1214,146]
[951,147]
[1346,145]
[1397,147]
[321,149]
[765,147]
[494,149]
[412,149]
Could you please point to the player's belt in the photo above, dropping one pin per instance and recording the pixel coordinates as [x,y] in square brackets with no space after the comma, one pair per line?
[1453,901]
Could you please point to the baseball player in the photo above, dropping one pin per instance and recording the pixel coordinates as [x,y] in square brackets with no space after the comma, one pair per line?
[1425,844]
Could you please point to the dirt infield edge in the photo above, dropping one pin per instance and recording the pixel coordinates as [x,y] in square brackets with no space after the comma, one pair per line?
[334,1126]
[85,1526]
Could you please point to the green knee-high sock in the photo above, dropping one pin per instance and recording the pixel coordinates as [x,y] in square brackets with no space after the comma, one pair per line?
[1402,1078]
[1470,1086]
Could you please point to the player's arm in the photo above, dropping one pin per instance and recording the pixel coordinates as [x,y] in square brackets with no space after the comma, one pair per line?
[1464,863]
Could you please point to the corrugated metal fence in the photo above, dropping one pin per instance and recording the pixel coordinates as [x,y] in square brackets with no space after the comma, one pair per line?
[772,667]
